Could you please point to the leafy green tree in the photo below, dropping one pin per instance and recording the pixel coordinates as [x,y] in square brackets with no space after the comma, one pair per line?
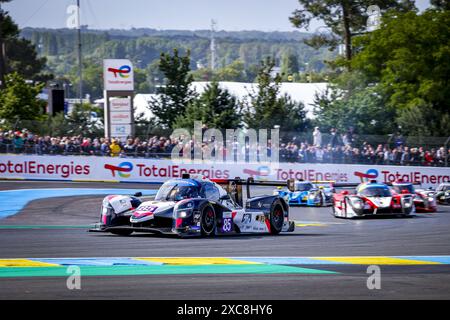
[154,75]
[344,18]
[266,108]
[289,66]
[176,94]
[92,79]
[86,120]
[440,4]
[18,100]
[235,71]
[423,120]
[215,107]
[363,110]
[409,60]
[141,84]
[232,72]
[18,54]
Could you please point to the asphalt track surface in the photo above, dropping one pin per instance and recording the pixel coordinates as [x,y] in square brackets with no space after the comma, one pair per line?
[59,232]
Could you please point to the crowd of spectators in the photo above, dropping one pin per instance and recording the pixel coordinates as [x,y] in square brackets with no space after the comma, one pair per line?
[339,148]
[342,149]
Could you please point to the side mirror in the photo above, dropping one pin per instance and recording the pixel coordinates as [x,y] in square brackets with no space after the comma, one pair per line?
[405,192]
[345,192]
[138,194]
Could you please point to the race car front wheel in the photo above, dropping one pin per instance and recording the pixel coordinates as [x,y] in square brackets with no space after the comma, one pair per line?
[276,218]
[208,220]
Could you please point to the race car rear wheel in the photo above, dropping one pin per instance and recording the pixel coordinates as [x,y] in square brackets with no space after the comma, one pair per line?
[276,218]
[208,220]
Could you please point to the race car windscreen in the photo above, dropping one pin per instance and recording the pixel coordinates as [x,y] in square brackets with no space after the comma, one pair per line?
[303,186]
[176,192]
[376,192]
[401,188]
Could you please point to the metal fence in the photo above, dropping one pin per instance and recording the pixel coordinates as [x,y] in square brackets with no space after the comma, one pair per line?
[391,149]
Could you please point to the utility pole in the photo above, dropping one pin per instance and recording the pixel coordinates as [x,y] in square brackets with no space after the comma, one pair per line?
[213,45]
[80,63]
[2,51]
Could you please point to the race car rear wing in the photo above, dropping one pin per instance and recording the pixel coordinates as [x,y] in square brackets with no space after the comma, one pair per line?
[234,186]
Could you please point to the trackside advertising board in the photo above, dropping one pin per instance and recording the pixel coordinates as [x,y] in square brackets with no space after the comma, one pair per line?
[152,170]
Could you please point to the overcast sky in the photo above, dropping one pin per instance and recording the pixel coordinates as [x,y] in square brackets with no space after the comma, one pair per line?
[232,15]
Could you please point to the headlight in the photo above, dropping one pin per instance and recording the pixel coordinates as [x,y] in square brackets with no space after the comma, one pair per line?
[106,211]
[430,199]
[183,213]
[312,195]
[356,203]
[407,202]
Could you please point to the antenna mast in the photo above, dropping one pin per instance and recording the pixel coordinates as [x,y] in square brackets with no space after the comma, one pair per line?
[80,63]
[213,44]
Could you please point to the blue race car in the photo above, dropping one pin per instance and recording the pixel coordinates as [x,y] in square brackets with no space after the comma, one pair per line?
[309,193]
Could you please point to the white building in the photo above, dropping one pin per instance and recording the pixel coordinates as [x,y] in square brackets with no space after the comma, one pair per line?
[299,92]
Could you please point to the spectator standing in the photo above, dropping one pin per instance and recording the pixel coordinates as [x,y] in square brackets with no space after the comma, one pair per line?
[18,143]
[317,137]
[129,148]
[104,148]
[405,157]
[115,148]
[334,140]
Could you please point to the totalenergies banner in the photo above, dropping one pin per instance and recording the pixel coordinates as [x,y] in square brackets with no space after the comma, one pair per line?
[79,168]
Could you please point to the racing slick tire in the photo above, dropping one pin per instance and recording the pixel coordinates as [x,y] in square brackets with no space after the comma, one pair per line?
[208,220]
[123,233]
[276,217]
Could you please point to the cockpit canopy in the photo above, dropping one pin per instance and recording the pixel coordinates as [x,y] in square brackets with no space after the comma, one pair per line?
[303,186]
[375,191]
[179,189]
[399,188]
[176,190]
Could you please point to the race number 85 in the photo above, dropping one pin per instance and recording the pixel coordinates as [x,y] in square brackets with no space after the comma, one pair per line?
[226,225]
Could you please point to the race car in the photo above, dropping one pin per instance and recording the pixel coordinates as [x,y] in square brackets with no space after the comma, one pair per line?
[443,193]
[197,206]
[310,193]
[371,199]
[424,200]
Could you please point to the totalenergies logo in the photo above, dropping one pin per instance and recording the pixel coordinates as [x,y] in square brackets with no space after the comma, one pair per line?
[370,174]
[262,171]
[121,169]
[123,71]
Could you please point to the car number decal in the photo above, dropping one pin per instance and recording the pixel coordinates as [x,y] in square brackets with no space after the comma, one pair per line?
[227,224]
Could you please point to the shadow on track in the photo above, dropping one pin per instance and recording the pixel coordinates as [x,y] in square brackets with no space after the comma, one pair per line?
[215,238]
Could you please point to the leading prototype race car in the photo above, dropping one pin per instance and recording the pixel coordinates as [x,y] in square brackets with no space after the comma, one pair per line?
[310,193]
[194,206]
[424,200]
[443,193]
[371,199]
